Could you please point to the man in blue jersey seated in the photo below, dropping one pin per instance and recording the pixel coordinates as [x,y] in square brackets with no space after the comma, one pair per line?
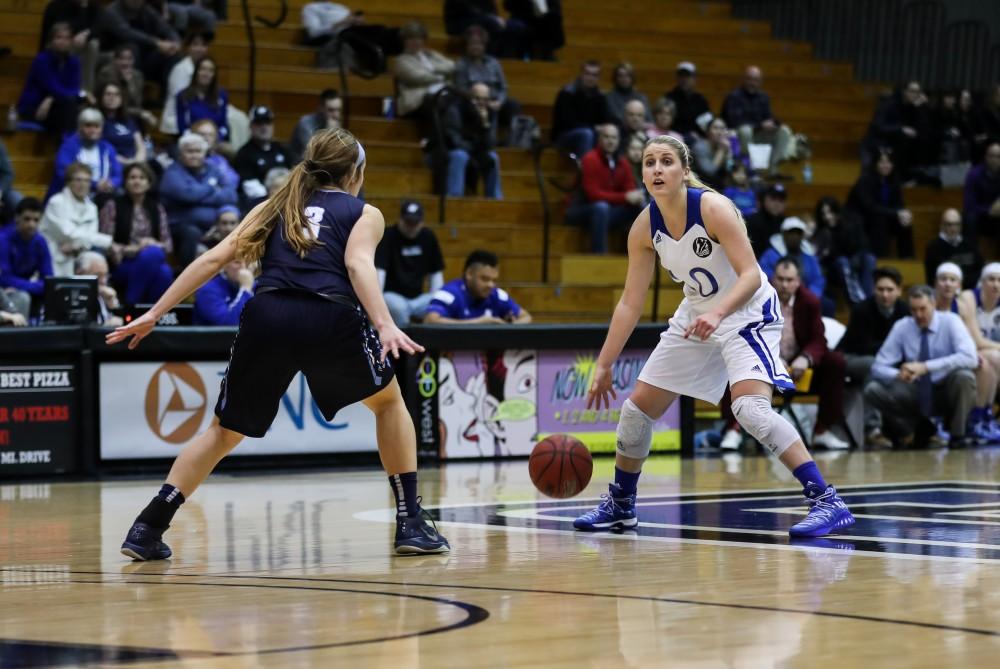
[221,300]
[475,298]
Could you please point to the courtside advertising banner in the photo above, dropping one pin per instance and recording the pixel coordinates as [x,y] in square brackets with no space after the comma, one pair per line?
[500,403]
[151,409]
[38,419]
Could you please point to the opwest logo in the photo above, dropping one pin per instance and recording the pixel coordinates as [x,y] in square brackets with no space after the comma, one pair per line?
[427,386]
[175,402]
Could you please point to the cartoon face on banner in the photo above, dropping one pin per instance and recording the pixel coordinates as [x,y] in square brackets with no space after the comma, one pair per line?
[487,403]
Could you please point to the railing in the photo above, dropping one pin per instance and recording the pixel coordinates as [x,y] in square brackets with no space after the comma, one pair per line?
[536,155]
[439,155]
[252,43]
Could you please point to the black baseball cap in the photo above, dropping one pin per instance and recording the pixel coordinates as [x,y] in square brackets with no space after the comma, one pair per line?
[776,190]
[412,210]
[261,114]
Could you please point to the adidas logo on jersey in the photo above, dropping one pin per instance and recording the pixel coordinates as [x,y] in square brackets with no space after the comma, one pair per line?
[756,368]
[658,238]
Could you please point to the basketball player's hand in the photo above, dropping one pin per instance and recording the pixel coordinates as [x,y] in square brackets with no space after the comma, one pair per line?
[395,340]
[703,326]
[137,330]
[600,388]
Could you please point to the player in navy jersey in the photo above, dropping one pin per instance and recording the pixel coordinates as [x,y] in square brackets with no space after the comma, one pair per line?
[317,310]
[726,331]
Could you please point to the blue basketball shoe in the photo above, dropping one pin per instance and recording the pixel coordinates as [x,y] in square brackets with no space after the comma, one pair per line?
[145,543]
[415,537]
[615,512]
[827,514]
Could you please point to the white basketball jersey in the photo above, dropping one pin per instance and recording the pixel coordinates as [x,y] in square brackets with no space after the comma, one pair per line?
[695,259]
[989,321]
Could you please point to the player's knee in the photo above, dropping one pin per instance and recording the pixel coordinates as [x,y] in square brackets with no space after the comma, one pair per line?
[762,422]
[635,432]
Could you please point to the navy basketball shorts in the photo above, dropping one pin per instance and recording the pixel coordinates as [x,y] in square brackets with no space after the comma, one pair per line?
[282,333]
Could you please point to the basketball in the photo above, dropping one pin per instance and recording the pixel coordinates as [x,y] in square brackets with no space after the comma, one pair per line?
[560,466]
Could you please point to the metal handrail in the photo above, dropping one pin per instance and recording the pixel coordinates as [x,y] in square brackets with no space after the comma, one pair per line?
[252,43]
[439,146]
[536,150]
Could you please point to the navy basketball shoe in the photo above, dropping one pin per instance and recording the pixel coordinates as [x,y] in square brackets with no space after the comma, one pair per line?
[414,536]
[144,543]
[615,512]
[827,514]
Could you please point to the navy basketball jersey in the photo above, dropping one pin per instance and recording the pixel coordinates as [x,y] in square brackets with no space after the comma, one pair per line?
[330,217]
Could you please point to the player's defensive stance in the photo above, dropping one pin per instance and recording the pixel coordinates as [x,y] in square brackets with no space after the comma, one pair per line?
[315,242]
[726,330]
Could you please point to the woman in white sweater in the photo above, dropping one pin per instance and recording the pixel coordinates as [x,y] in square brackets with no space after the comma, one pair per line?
[70,221]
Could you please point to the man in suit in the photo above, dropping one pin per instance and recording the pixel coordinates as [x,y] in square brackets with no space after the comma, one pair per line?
[803,347]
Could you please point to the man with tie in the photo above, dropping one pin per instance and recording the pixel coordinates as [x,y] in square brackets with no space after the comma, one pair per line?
[924,369]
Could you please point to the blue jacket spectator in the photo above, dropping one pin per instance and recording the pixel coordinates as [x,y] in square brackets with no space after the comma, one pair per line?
[25,260]
[191,193]
[221,300]
[789,244]
[86,146]
[981,199]
[203,99]
[54,84]
[120,128]
[475,297]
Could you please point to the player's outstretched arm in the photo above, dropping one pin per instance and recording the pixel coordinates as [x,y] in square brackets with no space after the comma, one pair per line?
[641,264]
[194,276]
[359,257]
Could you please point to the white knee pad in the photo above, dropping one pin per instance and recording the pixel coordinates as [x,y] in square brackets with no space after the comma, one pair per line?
[755,414]
[635,432]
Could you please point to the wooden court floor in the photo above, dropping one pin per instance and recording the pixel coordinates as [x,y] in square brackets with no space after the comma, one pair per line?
[295,571]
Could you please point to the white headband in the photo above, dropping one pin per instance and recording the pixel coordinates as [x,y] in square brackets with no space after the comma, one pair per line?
[949,268]
[991,268]
[361,156]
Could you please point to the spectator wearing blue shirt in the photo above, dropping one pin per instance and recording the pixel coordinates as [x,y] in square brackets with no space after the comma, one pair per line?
[475,297]
[221,300]
[25,260]
[981,197]
[120,129]
[790,243]
[740,192]
[86,146]
[192,192]
[924,368]
[53,88]
[204,99]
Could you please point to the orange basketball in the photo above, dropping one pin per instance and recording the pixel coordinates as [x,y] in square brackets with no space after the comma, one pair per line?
[560,466]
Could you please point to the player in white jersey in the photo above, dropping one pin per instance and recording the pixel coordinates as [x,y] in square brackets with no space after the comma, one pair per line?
[725,331]
[980,310]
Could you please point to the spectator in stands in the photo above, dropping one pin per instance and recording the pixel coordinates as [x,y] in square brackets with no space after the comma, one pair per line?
[841,246]
[228,217]
[978,310]
[258,157]
[981,199]
[83,18]
[508,37]
[328,116]
[192,192]
[92,263]
[420,72]
[470,133]
[738,190]
[715,159]
[204,99]
[135,22]
[69,223]
[324,20]
[955,124]
[195,48]
[988,122]
[693,113]
[475,298]
[140,234]
[407,256]
[86,146]
[768,219]
[187,15]
[952,246]
[544,25]
[788,245]
[8,196]
[610,198]
[579,108]
[120,129]
[476,66]
[622,92]
[275,179]
[635,123]
[868,327]
[748,110]
[924,368]
[878,198]
[803,347]
[633,153]
[221,300]
[25,259]
[122,71]
[206,128]
[328,25]
[53,88]
[664,112]
[904,123]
